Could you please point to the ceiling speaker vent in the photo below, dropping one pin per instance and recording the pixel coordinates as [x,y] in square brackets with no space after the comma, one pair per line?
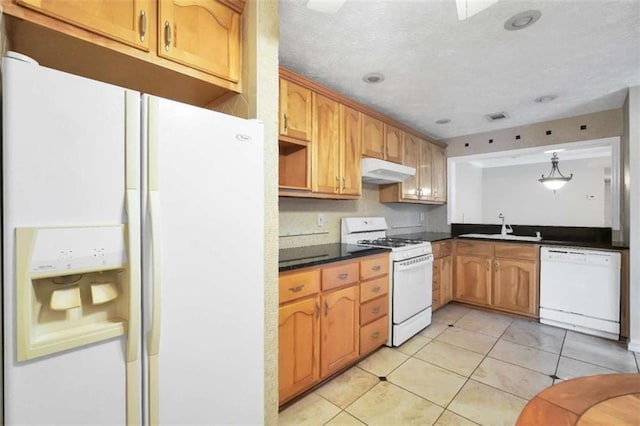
[497,116]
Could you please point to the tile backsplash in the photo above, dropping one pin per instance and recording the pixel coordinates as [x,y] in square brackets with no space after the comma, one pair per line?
[299,217]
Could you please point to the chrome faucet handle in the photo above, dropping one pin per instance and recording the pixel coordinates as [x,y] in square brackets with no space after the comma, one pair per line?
[509,229]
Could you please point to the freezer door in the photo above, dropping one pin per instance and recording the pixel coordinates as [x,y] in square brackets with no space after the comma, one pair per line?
[63,164]
[203,270]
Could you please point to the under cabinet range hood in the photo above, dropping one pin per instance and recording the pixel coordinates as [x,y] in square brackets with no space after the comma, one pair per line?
[381,172]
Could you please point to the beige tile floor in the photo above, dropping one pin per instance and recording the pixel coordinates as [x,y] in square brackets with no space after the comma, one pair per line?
[468,367]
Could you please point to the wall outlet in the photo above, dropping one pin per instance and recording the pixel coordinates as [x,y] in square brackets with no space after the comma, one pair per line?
[320,220]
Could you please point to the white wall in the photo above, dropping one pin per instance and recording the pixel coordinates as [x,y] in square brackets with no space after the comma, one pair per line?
[468,201]
[632,184]
[298,217]
[516,192]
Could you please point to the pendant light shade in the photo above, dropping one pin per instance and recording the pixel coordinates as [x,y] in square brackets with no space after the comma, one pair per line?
[555,179]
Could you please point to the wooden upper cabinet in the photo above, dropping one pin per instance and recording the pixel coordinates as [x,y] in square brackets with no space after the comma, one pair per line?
[325,145]
[515,284]
[201,34]
[372,137]
[350,149]
[410,157]
[424,171]
[126,21]
[340,325]
[473,279]
[295,110]
[299,346]
[439,182]
[393,143]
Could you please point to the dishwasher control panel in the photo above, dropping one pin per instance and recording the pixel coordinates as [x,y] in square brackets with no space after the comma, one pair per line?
[580,256]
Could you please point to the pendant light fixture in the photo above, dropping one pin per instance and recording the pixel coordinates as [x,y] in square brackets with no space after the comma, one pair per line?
[555,179]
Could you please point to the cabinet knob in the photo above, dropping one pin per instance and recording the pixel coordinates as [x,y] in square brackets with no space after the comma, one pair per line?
[143,25]
[326,308]
[317,310]
[285,122]
[375,310]
[375,335]
[167,35]
[376,289]
[343,276]
[376,268]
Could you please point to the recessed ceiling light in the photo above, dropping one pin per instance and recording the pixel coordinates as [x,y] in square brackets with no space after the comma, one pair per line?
[546,98]
[373,77]
[522,20]
[443,121]
[497,116]
[325,6]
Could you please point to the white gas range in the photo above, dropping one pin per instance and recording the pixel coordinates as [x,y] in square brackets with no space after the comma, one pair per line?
[411,277]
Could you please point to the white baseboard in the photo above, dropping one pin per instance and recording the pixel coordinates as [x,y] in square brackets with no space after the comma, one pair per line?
[634,345]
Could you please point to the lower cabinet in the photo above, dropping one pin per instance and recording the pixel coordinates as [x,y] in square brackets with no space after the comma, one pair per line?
[329,317]
[299,346]
[442,274]
[340,329]
[515,284]
[503,276]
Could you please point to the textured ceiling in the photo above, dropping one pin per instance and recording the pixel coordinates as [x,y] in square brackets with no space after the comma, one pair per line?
[585,52]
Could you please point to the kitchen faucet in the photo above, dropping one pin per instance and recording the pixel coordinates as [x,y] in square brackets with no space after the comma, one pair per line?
[506,229]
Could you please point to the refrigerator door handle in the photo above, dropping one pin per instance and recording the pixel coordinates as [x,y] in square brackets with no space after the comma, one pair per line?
[154,335]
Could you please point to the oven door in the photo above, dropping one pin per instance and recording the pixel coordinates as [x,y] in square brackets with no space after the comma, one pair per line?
[412,284]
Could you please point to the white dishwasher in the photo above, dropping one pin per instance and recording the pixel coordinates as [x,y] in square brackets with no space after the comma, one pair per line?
[580,290]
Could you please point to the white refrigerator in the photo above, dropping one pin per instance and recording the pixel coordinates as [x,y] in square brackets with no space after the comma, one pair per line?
[132,257]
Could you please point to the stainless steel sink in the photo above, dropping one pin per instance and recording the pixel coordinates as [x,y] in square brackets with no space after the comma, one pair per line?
[502,237]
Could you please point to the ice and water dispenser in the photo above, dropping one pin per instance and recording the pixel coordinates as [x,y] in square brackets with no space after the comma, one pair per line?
[72,287]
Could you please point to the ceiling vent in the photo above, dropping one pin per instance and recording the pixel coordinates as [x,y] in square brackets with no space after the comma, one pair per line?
[497,116]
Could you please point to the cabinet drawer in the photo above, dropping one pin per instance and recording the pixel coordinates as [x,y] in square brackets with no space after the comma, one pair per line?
[374,334]
[374,288]
[374,266]
[474,248]
[298,284]
[374,309]
[517,251]
[446,248]
[340,275]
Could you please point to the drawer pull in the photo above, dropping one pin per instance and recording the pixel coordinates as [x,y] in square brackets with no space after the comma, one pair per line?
[317,310]
[375,335]
[285,122]
[376,267]
[375,310]
[326,308]
[343,276]
[376,289]
[297,288]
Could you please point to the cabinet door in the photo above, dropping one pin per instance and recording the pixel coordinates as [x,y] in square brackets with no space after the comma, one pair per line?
[393,143]
[439,175]
[324,145]
[446,279]
[372,137]
[299,346]
[473,279]
[201,34]
[350,151]
[515,284]
[425,170]
[126,21]
[340,327]
[410,157]
[295,110]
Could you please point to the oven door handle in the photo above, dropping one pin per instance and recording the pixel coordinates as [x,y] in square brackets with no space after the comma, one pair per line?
[418,262]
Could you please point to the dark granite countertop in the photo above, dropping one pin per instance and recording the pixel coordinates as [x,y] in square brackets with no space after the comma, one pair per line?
[302,257]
